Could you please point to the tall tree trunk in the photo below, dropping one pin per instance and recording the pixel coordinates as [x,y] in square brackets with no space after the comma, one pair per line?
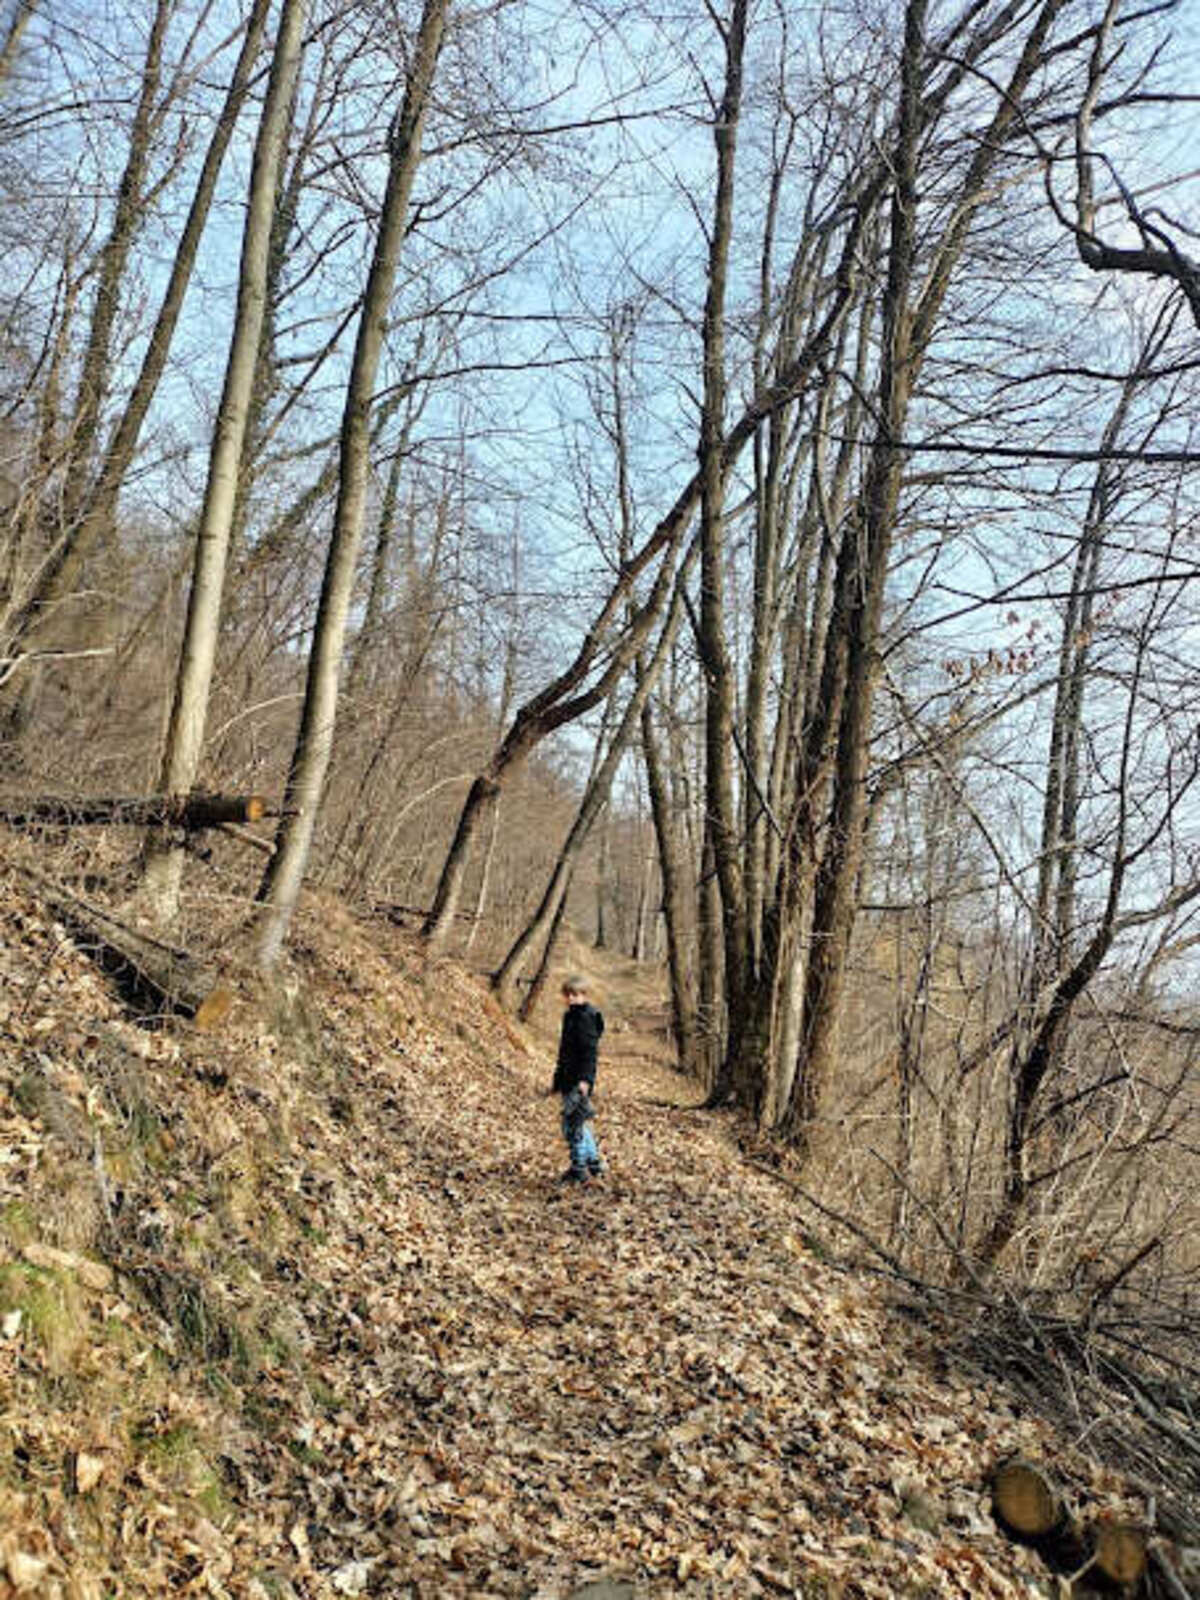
[508,690]
[95,520]
[281,884]
[163,867]
[641,920]
[603,868]
[907,331]
[671,871]
[832,906]
[710,1012]
[718,668]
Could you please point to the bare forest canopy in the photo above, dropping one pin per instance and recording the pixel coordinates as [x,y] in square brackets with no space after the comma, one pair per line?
[722,481]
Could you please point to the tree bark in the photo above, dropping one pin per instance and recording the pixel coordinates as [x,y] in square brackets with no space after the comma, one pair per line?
[671,871]
[12,39]
[310,761]
[61,572]
[163,865]
[718,668]
[908,327]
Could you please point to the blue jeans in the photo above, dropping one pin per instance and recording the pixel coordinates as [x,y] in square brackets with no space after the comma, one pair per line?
[577,1131]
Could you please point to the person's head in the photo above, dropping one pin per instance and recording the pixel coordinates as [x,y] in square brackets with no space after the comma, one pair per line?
[575,989]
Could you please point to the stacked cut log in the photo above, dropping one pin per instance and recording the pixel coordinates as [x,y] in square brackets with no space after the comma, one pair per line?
[1030,1506]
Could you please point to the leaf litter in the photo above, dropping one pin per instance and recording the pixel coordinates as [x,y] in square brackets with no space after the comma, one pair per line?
[297,1309]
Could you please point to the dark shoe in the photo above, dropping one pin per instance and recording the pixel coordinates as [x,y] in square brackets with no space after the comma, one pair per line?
[574,1175]
[597,1168]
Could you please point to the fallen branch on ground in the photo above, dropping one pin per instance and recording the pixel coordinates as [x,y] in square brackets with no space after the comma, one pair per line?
[169,977]
[190,812]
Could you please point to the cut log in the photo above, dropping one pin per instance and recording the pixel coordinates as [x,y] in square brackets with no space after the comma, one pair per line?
[163,975]
[1120,1551]
[187,811]
[1025,1500]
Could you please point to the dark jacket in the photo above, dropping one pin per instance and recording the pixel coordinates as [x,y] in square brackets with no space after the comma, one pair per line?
[582,1027]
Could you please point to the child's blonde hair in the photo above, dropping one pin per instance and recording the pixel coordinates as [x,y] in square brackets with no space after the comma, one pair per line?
[575,983]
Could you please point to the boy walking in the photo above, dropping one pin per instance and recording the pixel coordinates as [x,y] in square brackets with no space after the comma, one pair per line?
[575,1078]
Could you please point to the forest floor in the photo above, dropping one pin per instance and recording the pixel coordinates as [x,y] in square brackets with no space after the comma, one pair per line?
[295,1308]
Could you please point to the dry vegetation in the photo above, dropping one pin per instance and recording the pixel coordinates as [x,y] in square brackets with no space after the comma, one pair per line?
[294,1308]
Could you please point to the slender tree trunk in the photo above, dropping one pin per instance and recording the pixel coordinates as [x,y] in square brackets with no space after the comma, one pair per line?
[594,800]
[908,329]
[281,885]
[485,881]
[507,691]
[671,871]
[640,941]
[718,668]
[710,1037]
[603,864]
[12,39]
[163,867]
[61,573]
[541,976]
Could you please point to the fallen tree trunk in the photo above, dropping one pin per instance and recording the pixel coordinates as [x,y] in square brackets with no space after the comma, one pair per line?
[168,978]
[190,812]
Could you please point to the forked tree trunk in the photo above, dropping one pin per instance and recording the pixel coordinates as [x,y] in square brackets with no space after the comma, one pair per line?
[310,760]
[163,866]
[594,800]
[909,324]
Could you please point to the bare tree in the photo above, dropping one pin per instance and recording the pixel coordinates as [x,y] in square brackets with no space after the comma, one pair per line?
[281,884]
[88,503]
[185,734]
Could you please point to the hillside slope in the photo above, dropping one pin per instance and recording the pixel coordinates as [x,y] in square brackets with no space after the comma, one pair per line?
[295,1308]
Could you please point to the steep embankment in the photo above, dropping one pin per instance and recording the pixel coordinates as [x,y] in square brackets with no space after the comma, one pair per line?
[294,1308]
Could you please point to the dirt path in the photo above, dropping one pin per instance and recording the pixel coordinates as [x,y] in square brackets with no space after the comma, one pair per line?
[649,1375]
[391,1356]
